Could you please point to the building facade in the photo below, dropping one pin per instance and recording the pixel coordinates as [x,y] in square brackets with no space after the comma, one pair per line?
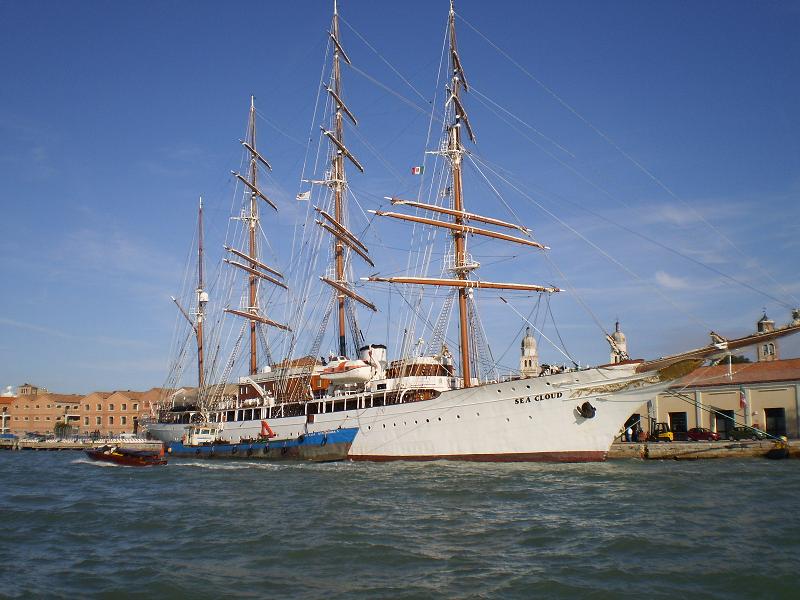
[105,413]
[763,395]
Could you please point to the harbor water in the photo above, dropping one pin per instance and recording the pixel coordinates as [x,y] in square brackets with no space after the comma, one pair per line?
[210,529]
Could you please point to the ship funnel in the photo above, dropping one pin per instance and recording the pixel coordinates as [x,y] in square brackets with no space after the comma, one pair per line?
[374,354]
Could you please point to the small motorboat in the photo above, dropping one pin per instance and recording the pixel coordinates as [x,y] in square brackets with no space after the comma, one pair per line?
[127,457]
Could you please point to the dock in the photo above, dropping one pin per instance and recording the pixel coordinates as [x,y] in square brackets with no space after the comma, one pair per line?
[695,450]
[53,445]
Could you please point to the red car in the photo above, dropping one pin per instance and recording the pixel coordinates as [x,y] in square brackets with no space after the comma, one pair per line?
[701,434]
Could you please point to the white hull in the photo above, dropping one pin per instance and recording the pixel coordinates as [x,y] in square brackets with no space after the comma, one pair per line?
[522,420]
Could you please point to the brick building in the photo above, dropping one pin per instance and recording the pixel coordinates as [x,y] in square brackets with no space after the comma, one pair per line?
[109,413]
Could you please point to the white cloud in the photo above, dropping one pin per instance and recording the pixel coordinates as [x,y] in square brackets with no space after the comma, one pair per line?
[671,282]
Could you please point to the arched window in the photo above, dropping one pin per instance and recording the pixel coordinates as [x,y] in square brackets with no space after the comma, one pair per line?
[772,348]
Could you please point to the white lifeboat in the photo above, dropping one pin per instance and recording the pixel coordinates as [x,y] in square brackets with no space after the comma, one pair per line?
[343,371]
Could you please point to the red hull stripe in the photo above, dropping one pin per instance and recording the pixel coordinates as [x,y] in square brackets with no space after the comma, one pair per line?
[574,456]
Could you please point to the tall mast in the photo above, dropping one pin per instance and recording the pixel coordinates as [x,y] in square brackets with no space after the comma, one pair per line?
[336,225]
[462,263]
[253,224]
[253,266]
[455,154]
[338,177]
[202,298]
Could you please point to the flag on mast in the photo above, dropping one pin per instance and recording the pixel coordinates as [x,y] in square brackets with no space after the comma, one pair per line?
[417,170]
[304,195]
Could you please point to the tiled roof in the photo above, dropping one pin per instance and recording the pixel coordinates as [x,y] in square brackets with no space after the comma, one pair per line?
[743,373]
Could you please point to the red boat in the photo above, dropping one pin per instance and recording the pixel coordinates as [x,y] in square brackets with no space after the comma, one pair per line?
[130,458]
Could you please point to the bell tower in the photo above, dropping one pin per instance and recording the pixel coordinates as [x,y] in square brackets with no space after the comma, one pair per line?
[767,351]
[619,347]
[529,359]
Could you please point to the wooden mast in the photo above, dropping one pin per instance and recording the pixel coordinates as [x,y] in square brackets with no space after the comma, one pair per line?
[459,226]
[338,177]
[250,217]
[455,154]
[202,298]
[342,238]
[253,249]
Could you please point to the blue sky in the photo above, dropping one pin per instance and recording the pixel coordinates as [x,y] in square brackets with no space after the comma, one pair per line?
[114,117]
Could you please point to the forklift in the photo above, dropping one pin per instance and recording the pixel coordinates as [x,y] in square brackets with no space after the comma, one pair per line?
[660,432]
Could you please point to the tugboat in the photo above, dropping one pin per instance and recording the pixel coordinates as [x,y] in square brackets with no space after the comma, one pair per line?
[128,458]
[204,441]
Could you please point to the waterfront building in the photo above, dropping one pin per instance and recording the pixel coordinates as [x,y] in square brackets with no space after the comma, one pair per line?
[106,413]
[764,395]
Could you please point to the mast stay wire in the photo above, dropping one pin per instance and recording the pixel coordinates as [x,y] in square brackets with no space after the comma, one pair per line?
[564,224]
[630,158]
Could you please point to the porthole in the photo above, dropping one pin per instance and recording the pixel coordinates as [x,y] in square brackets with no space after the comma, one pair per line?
[384,425]
[527,386]
[458,416]
[416,422]
[440,418]
[530,417]
[478,414]
[499,391]
[507,419]
[427,420]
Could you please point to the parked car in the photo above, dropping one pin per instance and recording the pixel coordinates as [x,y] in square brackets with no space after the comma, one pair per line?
[701,434]
[746,433]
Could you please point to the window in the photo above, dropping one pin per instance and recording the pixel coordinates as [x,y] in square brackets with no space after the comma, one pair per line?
[110,420]
[48,418]
[37,406]
[135,407]
[98,421]
[35,418]
[124,407]
[87,408]
[123,420]
[99,406]
[85,420]
[110,407]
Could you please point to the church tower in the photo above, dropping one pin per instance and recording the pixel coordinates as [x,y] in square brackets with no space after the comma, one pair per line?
[768,351]
[529,360]
[619,349]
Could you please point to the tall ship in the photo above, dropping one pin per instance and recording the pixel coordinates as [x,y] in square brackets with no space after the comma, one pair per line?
[431,403]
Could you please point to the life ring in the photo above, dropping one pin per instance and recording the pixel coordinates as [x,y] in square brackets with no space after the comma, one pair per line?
[324,440]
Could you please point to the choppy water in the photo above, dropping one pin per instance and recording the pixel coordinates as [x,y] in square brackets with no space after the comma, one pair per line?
[708,529]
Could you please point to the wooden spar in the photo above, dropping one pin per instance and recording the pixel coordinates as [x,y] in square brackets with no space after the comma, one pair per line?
[257,318]
[460,227]
[346,241]
[342,147]
[253,261]
[256,272]
[462,116]
[342,229]
[339,48]
[254,189]
[463,215]
[714,349]
[184,313]
[255,153]
[349,293]
[466,283]
[342,105]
